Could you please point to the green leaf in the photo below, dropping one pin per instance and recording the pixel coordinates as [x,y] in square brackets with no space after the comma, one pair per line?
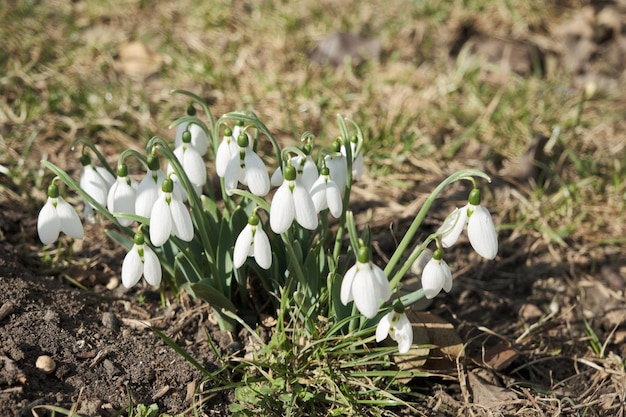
[204,290]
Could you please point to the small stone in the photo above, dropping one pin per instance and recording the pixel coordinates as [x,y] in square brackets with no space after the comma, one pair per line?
[46,364]
[110,321]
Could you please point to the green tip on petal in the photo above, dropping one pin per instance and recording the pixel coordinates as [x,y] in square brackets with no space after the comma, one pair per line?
[53,191]
[254,220]
[242,140]
[153,162]
[363,255]
[191,110]
[228,132]
[85,159]
[325,170]
[168,185]
[474,197]
[186,136]
[336,145]
[438,254]
[122,170]
[138,239]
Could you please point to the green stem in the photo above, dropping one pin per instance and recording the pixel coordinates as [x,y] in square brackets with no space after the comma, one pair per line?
[201,103]
[95,150]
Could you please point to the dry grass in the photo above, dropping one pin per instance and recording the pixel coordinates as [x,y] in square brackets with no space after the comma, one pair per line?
[63,74]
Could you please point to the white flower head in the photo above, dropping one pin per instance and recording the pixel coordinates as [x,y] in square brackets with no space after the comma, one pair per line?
[96,182]
[337,165]
[140,260]
[397,325]
[326,194]
[292,201]
[436,276]
[192,163]
[366,285]
[253,241]
[149,187]
[225,151]
[57,216]
[307,173]
[122,195]
[169,216]
[358,167]
[198,139]
[480,228]
[247,168]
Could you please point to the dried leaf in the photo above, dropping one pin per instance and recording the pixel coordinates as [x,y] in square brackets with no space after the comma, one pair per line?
[487,395]
[137,60]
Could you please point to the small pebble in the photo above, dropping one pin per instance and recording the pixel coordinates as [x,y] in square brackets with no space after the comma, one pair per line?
[110,321]
[46,364]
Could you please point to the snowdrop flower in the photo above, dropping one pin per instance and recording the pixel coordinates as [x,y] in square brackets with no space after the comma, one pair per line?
[326,195]
[246,167]
[307,173]
[199,139]
[292,201]
[338,165]
[366,285]
[149,187]
[169,216]
[121,198]
[140,260]
[225,151]
[57,216]
[480,228]
[192,163]
[253,241]
[95,181]
[436,276]
[358,167]
[397,325]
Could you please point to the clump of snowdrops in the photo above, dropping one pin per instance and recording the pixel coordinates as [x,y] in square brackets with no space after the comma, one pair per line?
[284,224]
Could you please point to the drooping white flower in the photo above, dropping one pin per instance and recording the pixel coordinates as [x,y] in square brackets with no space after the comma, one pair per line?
[358,167]
[57,216]
[140,260]
[247,168]
[122,195]
[225,151]
[95,181]
[397,325]
[480,228]
[292,201]
[199,139]
[326,194]
[366,285]
[307,174]
[337,165]
[253,241]
[192,163]
[169,216]
[436,276]
[149,188]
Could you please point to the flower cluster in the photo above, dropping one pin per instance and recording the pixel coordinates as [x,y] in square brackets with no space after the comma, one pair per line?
[178,230]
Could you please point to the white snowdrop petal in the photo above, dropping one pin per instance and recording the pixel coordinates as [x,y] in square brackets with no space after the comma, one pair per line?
[482,233]
[277,178]
[242,246]
[318,194]
[434,277]
[404,334]
[256,174]
[453,225]
[382,329]
[338,168]
[181,220]
[106,176]
[199,139]
[94,185]
[160,222]
[147,193]
[70,222]
[262,249]
[222,157]
[151,267]
[282,210]
[193,164]
[365,292]
[305,212]
[333,199]
[122,200]
[310,173]
[447,276]
[232,174]
[346,285]
[48,223]
[382,283]
[132,268]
